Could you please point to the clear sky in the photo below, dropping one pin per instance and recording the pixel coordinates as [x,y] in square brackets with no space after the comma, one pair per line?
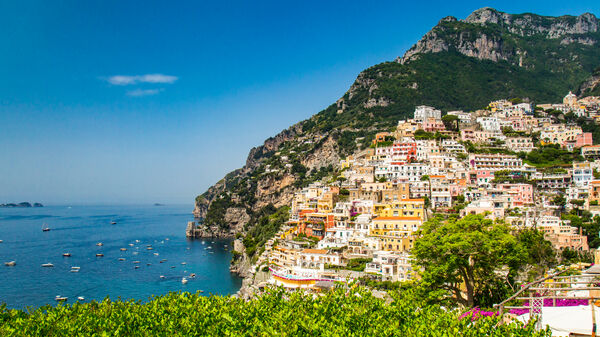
[153,101]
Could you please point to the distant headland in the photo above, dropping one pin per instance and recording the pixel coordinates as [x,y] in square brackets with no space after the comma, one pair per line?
[22,204]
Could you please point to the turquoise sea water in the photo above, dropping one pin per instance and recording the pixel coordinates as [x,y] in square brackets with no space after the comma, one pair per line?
[78,229]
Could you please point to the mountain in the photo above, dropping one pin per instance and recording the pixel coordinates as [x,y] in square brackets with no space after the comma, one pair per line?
[458,64]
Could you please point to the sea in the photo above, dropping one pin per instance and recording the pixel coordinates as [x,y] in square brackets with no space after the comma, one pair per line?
[156,258]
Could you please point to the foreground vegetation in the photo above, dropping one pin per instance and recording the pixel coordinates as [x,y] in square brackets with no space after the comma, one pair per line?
[339,313]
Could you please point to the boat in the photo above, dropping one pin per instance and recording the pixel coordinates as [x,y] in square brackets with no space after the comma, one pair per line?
[162,276]
[66,254]
[80,298]
[60,298]
[113,222]
[1,241]
[184,263]
[192,275]
[149,248]
[131,245]
[45,228]
[172,267]
[148,264]
[121,259]
[136,267]
[184,280]
[136,262]
[47,265]
[155,254]
[75,269]
[99,244]
[99,255]
[123,249]
[10,264]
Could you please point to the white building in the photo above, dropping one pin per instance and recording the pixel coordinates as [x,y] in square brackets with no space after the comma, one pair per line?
[423,112]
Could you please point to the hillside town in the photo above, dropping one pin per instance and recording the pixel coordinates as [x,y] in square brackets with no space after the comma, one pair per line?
[363,222]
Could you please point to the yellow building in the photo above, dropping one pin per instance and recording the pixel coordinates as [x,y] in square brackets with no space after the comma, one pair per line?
[401,208]
[396,241]
[383,225]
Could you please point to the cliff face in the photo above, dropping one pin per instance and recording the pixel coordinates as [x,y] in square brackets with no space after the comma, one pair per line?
[488,34]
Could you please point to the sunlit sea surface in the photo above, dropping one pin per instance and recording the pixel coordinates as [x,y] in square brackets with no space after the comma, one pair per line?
[78,229]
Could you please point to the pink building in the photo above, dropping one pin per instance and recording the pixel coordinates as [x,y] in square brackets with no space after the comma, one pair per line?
[522,194]
[484,177]
[583,139]
[433,125]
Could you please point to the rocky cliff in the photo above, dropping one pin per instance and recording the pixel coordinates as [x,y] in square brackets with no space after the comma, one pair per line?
[488,34]
[459,64]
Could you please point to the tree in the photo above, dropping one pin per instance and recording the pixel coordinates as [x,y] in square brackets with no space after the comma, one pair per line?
[451,122]
[541,256]
[475,252]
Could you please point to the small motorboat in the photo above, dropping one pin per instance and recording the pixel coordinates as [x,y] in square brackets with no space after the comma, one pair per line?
[80,298]
[131,245]
[192,275]
[121,259]
[135,253]
[162,276]
[137,241]
[66,254]
[184,280]
[148,264]
[45,228]
[75,269]
[149,248]
[113,222]
[137,267]
[47,265]
[136,262]
[167,239]
[123,249]
[183,263]
[155,254]
[99,244]
[172,267]
[1,241]
[99,255]
[10,264]
[59,298]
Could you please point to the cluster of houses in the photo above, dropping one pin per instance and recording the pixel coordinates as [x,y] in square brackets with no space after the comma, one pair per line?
[364,222]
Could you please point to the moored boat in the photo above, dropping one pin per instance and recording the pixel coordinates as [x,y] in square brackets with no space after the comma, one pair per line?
[45,228]
[47,265]
[59,298]
[99,255]
[184,280]
[10,263]
[66,254]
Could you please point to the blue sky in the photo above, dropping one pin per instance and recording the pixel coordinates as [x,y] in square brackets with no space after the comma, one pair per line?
[140,102]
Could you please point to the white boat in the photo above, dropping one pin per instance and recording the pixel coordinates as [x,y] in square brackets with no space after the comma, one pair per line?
[1,241]
[45,228]
[61,298]
[184,263]
[155,254]
[99,244]
[10,264]
[74,267]
[131,245]
[99,255]
[47,265]
[162,276]
[184,280]
[80,298]
[123,249]
[66,254]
